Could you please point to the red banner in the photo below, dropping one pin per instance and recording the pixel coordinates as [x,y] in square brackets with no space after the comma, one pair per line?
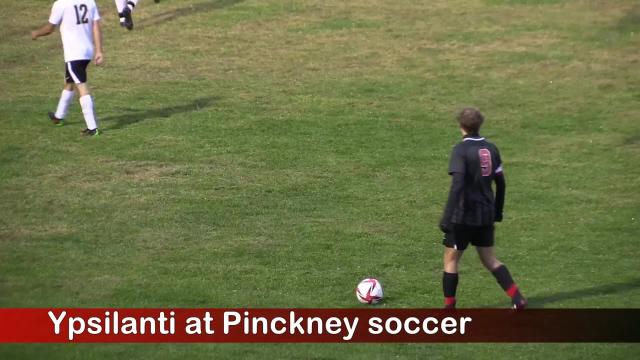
[317,325]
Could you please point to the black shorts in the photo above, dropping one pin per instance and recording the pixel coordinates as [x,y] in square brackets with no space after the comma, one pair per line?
[462,235]
[76,71]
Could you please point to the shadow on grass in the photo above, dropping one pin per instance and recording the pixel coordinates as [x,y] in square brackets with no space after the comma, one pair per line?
[631,21]
[200,7]
[133,116]
[541,300]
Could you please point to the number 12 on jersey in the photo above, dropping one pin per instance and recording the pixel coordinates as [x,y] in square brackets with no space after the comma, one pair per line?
[81,19]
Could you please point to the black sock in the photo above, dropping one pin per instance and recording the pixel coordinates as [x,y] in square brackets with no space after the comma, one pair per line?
[449,285]
[506,282]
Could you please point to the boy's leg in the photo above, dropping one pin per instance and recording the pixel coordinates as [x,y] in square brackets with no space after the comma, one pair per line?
[125,8]
[455,243]
[66,97]
[120,5]
[450,276]
[78,73]
[502,275]
[86,102]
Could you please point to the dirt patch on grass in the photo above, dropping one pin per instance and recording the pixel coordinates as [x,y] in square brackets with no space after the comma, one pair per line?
[144,171]
[22,232]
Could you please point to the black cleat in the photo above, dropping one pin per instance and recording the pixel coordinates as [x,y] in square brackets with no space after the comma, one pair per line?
[87,132]
[520,304]
[128,20]
[55,120]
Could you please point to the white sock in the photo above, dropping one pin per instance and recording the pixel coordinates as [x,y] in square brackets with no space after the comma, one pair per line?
[63,104]
[87,110]
[120,4]
[132,4]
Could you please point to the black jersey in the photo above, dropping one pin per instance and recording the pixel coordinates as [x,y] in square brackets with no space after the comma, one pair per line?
[475,163]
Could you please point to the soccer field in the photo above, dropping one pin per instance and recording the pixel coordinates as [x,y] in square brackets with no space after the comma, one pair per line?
[272,153]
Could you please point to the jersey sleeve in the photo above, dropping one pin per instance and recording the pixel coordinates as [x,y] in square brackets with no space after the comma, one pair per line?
[56,14]
[456,163]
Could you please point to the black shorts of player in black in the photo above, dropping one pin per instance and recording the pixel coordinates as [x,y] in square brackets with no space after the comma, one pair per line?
[472,209]
[460,236]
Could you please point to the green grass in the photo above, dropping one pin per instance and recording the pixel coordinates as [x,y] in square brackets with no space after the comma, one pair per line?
[254,153]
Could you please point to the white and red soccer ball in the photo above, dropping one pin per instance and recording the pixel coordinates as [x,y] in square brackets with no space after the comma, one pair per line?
[369,291]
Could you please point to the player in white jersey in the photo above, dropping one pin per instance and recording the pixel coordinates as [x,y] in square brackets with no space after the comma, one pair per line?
[125,10]
[79,23]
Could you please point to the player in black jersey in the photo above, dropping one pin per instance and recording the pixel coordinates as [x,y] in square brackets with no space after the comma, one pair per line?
[472,209]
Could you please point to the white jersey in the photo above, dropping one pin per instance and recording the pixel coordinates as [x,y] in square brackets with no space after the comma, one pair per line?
[75,18]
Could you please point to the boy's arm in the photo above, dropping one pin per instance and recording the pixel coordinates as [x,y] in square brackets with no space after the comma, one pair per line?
[501,187]
[456,170]
[54,19]
[97,41]
[43,31]
[457,187]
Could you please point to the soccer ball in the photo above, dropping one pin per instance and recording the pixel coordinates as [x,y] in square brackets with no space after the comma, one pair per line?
[369,291]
